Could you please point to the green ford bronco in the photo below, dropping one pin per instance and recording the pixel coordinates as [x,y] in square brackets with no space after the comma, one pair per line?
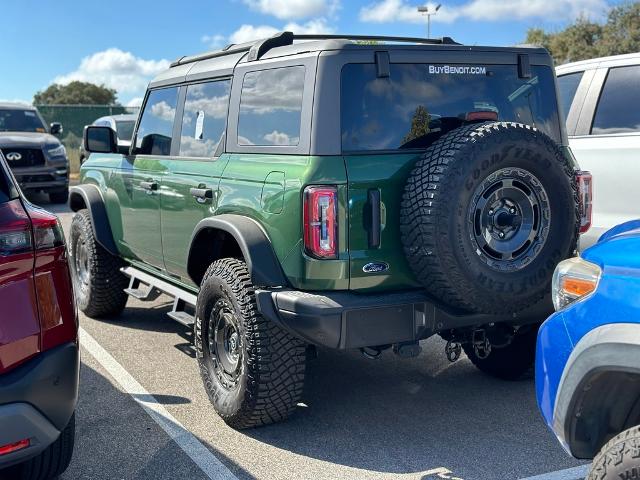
[334,193]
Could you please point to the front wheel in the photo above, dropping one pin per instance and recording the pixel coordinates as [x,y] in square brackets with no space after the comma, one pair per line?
[514,361]
[253,371]
[618,458]
[99,283]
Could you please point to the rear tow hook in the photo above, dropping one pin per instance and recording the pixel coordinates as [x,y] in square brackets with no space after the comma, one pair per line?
[453,350]
[481,344]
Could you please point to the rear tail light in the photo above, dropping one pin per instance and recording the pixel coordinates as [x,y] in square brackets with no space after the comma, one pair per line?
[16,234]
[47,231]
[15,229]
[585,205]
[14,447]
[320,221]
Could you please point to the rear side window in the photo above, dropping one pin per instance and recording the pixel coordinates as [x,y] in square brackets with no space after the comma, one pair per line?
[156,124]
[617,110]
[204,118]
[271,106]
[419,102]
[567,88]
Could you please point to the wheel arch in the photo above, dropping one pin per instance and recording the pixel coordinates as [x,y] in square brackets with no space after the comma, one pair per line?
[599,393]
[229,235]
[88,196]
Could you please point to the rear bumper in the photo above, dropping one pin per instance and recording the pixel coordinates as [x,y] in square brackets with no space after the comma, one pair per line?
[345,320]
[37,400]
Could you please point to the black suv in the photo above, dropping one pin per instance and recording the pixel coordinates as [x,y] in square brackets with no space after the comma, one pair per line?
[36,157]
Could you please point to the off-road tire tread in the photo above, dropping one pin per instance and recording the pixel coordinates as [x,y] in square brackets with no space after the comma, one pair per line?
[424,211]
[106,290]
[617,454]
[275,358]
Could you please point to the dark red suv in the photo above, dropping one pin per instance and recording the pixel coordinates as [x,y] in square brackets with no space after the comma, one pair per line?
[39,357]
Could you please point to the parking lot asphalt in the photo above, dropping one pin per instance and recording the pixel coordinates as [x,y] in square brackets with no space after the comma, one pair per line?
[143,414]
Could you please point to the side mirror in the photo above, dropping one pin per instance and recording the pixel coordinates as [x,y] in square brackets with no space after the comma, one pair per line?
[56,128]
[99,140]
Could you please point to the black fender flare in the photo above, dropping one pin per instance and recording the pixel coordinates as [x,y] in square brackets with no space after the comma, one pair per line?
[89,196]
[254,244]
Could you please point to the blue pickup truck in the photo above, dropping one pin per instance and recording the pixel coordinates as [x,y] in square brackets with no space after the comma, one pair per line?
[588,355]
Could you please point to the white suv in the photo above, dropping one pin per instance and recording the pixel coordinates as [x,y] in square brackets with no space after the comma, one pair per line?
[601,103]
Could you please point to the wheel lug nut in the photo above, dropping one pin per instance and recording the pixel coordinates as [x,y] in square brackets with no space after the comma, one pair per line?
[512,210]
[501,234]
[490,212]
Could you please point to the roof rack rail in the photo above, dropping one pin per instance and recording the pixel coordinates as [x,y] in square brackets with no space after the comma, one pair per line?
[379,38]
[259,48]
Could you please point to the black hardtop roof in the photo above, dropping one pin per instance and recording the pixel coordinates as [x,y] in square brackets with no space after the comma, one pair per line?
[286,43]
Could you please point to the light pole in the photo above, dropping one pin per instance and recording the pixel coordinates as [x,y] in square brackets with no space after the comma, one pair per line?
[425,11]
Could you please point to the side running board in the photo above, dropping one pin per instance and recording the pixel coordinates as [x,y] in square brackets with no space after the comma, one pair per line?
[146,287]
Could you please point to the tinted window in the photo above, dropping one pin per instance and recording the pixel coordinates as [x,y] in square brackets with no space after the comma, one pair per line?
[20,121]
[617,110]
[419,102]
[156,124]
[7,191]
[204,119]
[567,87]
[270,107]
[124,129]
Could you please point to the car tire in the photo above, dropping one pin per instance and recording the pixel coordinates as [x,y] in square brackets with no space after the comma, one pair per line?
[61,196]
[99,283]
[478,182]
[49,464]
[252,370]
[618,458]
[514,361]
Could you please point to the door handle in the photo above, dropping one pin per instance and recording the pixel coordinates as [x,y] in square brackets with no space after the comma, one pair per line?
[152,186]
[201,194]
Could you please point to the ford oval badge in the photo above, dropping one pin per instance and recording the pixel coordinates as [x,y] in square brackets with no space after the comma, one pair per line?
[375,267]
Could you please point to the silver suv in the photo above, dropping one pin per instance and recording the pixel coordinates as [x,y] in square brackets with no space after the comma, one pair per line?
[35,155]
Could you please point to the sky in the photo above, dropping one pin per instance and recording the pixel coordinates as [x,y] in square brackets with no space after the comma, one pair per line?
[124,43]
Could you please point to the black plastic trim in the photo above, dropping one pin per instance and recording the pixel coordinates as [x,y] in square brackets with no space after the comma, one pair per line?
[49,382]
[346,320]
[89,196]
[254,244]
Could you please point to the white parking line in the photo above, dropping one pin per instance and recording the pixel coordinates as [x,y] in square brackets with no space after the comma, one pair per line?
[207,461]
[575,473]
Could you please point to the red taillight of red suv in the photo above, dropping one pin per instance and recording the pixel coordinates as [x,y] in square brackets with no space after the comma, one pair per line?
[320,221]
[585,192]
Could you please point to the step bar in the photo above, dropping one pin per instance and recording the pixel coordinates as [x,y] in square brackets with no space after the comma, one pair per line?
[146,287]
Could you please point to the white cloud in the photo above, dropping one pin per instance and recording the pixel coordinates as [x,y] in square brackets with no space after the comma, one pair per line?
[135,102]
[15,100]
[484,10]
[214,41]
[116,69]
[163,111]
[294,9]
[280,138]
[247,33]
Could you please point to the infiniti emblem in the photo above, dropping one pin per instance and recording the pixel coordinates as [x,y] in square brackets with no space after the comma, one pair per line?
[13,156]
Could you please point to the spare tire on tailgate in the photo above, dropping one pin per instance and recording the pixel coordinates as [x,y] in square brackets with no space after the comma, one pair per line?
[487,213]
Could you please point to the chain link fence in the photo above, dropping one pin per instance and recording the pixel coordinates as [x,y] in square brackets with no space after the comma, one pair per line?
[74,118]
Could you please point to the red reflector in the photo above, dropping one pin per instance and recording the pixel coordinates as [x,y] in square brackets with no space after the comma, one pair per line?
[481,115]
[585,200]
[14,447]
[320,221]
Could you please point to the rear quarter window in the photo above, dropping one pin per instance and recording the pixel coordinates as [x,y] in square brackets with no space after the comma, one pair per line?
[271,107]
[417,103]
[567,88]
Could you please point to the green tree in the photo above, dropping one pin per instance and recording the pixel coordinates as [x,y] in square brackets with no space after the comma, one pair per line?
[585,39]
[419,125]
[76,93]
